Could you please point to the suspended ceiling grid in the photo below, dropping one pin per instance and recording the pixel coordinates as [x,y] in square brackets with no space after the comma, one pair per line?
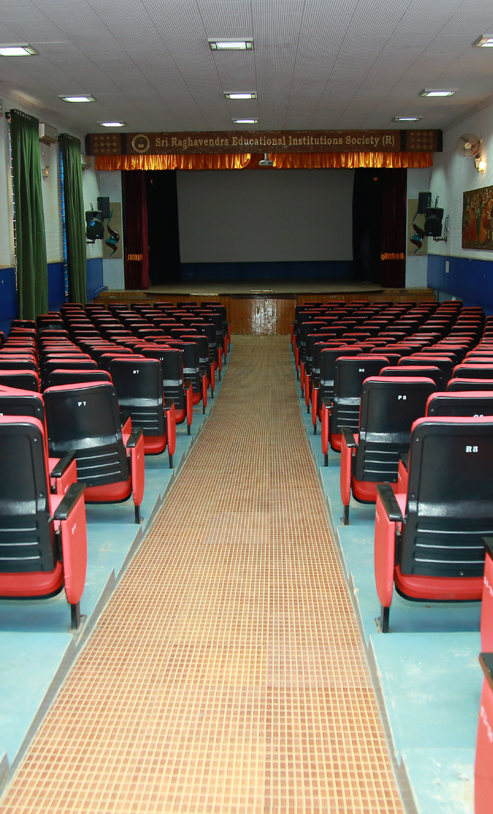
[315,64]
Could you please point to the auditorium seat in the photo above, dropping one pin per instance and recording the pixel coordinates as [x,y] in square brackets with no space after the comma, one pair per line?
[350,373]
[371,456]
[22,379]
[175,387]
[139,386]
[483,765]
[323,388]
[429,371]
[417,359]
[110,458]
[428,538]
[475,404]
[456,385]
[63,376]
[42,535]
[473,371]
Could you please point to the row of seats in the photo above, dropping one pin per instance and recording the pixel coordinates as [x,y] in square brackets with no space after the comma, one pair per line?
[410,409]
[85,394]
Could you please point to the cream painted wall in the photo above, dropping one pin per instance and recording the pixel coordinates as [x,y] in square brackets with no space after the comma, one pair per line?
[110,184]
[418,180]
[49,156]
[452,175]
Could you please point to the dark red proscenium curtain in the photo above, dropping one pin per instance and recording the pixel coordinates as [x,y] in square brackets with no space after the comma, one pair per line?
[394,226]
[136,232]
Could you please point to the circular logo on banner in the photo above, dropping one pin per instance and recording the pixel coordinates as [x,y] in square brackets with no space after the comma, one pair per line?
[141,143]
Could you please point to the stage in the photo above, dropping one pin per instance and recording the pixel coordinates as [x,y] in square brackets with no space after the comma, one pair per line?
[266,307]
[267,287]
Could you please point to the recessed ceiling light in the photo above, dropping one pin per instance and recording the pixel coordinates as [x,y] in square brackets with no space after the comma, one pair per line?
[245,121]
[231,44]
[407,118]
[432,92]
[23,50]
[484,42]
[249,95]
[113,124]
[83,97]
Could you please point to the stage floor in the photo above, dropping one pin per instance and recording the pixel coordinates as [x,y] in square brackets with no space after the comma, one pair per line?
[273,288]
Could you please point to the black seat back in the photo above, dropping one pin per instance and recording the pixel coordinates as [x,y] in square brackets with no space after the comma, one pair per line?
[172,366]
[63,376]
[445,365]
[203,346]
[430,372]
[449,507]
[473,371]
[472,404]
[328,359]
[27,542]
[210,332]
[85,418]
[139,385]
[22,379]
[456,385]
[191,362]
[389,406]
[311,341]
[350,373]
[21,402]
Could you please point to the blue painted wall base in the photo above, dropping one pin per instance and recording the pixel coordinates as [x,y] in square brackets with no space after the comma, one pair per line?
[466,279]
[56,289]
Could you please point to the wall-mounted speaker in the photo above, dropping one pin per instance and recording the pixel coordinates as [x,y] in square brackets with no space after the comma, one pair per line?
[104,207]
[424,202]
[94,225]
[433,222]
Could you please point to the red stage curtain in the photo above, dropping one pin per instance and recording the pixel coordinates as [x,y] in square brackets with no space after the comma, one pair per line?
[136,236]
[393,245]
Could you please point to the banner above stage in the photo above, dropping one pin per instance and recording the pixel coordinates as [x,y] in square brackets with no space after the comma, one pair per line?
[268,141]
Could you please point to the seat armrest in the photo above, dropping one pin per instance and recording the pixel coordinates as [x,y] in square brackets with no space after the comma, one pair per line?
[389,502]
[125,418]
[486,625]
[189,403]
[486,662]
[488,544]
[404,458]
[327,404]
[62,465]
[349,437]
[68,501]
[168,404]
[137,433]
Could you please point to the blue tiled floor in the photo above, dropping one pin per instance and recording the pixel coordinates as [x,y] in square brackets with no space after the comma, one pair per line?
[427,671]
[36,633]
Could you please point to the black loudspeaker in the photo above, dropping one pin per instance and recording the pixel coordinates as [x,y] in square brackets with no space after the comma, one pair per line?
[424,202]
[433,222]
[104,207]
[94,225]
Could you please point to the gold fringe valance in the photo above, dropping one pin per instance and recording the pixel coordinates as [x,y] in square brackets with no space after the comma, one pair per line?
[282,161]
[312,161]
[205,161]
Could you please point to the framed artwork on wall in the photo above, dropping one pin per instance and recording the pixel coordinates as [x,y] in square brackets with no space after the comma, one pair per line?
[477,219]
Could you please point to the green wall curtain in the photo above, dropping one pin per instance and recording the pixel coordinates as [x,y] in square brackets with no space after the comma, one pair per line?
[32,268]
[74,217]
